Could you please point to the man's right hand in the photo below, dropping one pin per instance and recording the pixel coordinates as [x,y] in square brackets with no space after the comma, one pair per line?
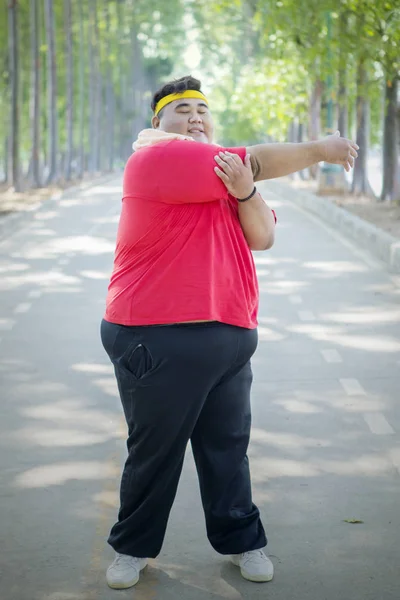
[338,151]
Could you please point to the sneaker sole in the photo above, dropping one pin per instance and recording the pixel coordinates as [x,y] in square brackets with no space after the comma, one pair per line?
[256,578]
[125,586]
[248,577]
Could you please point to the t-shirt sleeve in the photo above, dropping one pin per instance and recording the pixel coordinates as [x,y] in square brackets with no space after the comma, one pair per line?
[239,150]
[177,172]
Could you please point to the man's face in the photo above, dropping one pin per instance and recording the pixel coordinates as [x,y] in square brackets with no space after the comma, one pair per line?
[188,116]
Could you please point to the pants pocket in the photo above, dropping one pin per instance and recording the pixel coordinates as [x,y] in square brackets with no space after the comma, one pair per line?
[139,361]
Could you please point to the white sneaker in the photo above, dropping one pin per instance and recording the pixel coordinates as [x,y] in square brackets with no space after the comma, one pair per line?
[254,565]
[124,572]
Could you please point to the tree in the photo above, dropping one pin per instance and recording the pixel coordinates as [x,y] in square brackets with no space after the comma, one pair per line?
[52,91]
[70,87]
[81,91]
[360,183]
[35,93]
[391,169]
[14,85]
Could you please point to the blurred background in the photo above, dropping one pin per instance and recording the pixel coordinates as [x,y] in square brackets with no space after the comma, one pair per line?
[77,79]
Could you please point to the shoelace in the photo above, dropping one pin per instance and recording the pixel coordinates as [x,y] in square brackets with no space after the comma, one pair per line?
[124,558]
[248,556]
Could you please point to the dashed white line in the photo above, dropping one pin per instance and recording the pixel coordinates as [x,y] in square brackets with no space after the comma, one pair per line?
[6,324]
[378,424]
[352,387]
[296,299]
[306,315]
[22,308]
[331,356]
[63,261]
[35,294]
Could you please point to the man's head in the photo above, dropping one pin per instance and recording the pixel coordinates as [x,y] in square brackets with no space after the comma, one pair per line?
[187,116]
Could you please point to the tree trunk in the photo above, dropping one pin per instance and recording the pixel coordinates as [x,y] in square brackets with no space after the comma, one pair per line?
[52,90]
[92,90]
[137,84]
[300,138]
[315,118]
[34,169]
[343,120]
[110,97]
[360,185]
[98,91]
[69,88]
[6,160]
[391,169]
[121,81]
[14,96]
[81,92]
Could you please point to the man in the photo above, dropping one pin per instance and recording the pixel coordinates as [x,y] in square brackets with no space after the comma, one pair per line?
[181,324]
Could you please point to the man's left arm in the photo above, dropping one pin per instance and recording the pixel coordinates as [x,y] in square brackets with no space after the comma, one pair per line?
[276,160]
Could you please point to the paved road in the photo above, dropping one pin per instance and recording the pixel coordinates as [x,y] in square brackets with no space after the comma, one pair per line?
[325,443]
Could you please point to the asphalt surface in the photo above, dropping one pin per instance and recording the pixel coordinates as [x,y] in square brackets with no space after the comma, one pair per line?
[326,419]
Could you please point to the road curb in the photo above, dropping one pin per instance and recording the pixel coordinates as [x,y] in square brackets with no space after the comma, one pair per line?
[11,223]
[380,243]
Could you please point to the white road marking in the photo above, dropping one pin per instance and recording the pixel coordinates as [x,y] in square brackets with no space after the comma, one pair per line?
[278,274]
[35,294]
[378,424]
[23,307]
[296,299]
[352,387]
[331,356]
[6,324]
[306,315]
[63,261]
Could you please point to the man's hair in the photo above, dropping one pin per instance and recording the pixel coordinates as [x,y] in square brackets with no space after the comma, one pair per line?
[176,86]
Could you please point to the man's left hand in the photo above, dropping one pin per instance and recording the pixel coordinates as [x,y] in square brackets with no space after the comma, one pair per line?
[236,175]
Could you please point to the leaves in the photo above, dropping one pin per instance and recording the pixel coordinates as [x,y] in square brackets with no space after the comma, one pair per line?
[353,521]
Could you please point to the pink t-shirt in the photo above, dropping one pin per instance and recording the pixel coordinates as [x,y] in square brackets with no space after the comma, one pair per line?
[181,254]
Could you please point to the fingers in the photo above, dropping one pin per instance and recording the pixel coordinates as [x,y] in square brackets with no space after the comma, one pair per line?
[235,158]
[352,144]
[222,175]
[353,152]
[225,163]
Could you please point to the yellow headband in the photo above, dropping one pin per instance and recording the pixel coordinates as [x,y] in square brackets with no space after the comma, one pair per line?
[171,97]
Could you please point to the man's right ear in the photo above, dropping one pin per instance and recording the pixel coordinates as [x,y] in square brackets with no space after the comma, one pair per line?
[155,122]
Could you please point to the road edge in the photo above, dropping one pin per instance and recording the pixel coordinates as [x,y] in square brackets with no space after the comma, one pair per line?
[380,243]
[11,223]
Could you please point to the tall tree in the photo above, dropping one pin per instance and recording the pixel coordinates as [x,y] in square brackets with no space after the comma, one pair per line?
[110,96]
[360,184]
[35,93]
[391,141]
[81,91]
[14,96]
[52,91]
[343,108]
[69,87]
